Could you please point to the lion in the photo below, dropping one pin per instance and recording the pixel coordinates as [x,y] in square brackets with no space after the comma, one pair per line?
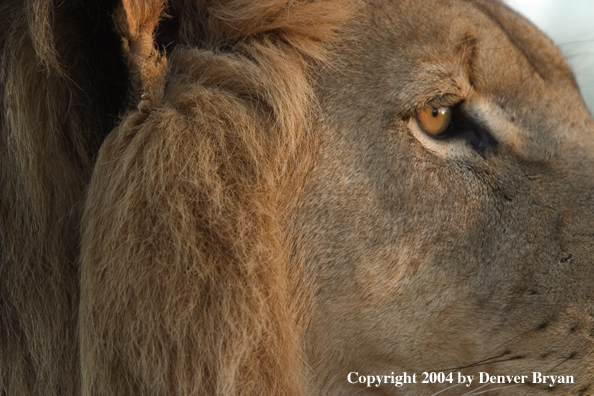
[291,197]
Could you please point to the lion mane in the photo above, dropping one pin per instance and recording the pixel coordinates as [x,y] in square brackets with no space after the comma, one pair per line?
[190,296]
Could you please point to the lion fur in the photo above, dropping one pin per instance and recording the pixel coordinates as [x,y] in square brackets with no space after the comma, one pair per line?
[212,316]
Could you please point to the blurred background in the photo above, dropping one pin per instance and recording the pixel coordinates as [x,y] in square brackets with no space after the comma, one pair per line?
[570,24]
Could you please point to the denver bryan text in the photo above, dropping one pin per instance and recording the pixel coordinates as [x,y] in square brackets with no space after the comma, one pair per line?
[537,378]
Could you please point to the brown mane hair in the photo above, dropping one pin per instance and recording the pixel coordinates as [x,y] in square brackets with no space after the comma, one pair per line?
[183,286]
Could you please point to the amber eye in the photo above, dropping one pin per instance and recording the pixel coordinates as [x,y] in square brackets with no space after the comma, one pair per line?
[435,121]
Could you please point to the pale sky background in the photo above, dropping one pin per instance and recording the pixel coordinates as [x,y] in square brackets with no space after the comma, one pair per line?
[570,24]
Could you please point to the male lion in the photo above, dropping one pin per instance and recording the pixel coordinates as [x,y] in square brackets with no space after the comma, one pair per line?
[291,197]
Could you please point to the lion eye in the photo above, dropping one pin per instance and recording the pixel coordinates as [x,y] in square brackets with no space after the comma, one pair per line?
[435,121]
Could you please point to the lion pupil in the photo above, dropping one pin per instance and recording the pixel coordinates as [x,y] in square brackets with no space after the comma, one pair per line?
[435,112]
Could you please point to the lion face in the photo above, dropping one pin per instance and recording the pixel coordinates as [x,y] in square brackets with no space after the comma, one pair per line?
[291,198]
[470,251]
